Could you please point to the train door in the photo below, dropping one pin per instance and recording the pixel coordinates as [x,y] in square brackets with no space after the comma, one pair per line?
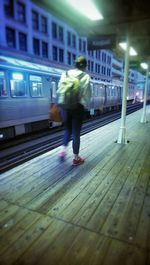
[53,100]
[53,88]
[119,93]
[105,95]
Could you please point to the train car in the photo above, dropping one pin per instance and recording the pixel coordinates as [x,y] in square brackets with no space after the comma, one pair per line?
[27,89]
[105,96]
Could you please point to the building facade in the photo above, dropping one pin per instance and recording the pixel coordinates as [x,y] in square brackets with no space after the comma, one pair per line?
[29,32]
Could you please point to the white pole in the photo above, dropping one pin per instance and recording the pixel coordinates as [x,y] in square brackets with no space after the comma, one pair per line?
[122,131]
[143,117]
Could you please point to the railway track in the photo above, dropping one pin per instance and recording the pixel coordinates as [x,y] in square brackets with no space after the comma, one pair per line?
[24,150]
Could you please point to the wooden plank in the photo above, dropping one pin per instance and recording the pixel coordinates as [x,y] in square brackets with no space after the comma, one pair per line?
[91,249]
[7,213]
[81,249]
[11,220]
[70,211]
[128,225]
[18,229]
[98,218]
[51,245]
[117,217]
[142,237]
[20,179]
[124,254]
[93,214]
[15,250]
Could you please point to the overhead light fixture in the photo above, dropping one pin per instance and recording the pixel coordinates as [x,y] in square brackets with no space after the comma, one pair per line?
[86,8]
[144,66]
[132,52]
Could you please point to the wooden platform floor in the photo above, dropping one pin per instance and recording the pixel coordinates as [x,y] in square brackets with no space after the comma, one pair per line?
[98,213]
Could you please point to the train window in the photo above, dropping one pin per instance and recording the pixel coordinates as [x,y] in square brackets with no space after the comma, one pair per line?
[3,90]
[36,86]
[18,85]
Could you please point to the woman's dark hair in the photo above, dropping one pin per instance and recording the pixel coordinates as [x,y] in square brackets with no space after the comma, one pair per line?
[80,62]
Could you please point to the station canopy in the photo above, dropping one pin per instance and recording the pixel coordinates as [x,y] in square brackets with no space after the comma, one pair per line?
[121,18]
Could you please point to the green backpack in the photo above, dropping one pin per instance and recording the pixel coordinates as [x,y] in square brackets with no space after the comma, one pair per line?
[69,92]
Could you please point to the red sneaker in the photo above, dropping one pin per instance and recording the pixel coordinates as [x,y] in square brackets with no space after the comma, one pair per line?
[80,160]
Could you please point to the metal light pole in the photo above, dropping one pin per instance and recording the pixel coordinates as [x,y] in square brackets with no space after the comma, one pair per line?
[143,117]
[122,132]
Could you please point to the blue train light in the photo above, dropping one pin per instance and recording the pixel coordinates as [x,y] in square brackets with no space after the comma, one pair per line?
[17,76]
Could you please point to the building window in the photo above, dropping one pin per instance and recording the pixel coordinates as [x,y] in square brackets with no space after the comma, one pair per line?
[21,12]
[108,59]
[104,57]
[96,67]
[54,30]
[22,41]
[104,70]
[91,53]
[10,37]
[61,55]
[9,8]
[69,58]
[73,41]
[80,45]
[61,34]
[84,46]
[89,65]
[108,72]
[35,20]
[44,24]
[69,38]
[97,54]
[45,49]
[36,46]
[73,58]
[92,67]
[55,56]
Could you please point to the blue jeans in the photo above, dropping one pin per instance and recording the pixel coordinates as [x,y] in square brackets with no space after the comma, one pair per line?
[73,119]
